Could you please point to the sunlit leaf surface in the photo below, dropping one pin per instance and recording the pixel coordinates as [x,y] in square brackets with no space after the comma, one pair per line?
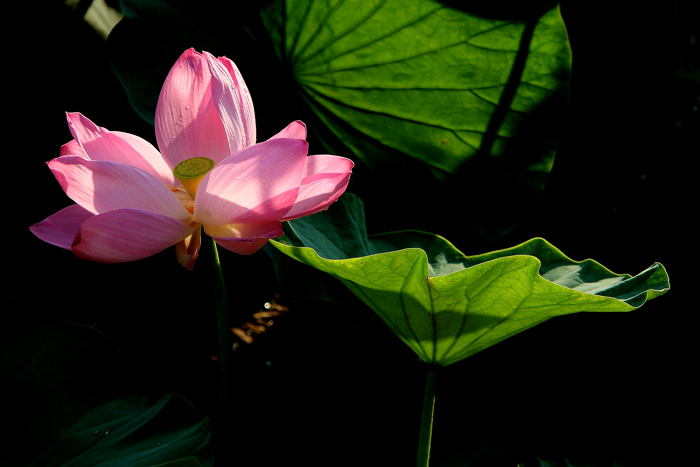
[447,306]
[419,79]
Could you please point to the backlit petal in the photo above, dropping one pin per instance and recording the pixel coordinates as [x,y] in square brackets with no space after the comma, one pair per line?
[73,148]
[295,130]
[245,232]
[258,184]
[322,165]
[102,186]
[101,144]
[242,248]
[244,239]
[127,235]
[151,154]
[187,124]
[233,103]
[60,229]
[325,179]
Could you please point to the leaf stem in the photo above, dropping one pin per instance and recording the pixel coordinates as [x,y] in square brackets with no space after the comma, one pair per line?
[426,423]
[223,328]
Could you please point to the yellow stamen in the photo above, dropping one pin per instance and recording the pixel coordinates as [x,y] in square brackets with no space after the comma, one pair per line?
[191,171]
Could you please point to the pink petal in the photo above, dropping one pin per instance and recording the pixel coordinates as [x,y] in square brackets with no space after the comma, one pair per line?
[242,248]
[321,165]
[101,186]
[233,102]
[127,235]
[295,130]
[325,179]
[257,184]
[151,154]
[60,229]
[103,145]
[73,148]
[245,232]
[187,123]
[244,239]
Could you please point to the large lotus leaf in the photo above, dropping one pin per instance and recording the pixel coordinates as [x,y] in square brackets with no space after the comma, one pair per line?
[421,80]
[71,400]
[461,99]
[445,305]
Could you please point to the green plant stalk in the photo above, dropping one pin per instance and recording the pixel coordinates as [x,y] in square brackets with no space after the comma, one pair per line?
[223,329]
[426,423]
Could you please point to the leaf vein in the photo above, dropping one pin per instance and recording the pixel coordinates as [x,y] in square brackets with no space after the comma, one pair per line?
[295,42]
[337,37]
[377,39]
[385,114]
[322,23]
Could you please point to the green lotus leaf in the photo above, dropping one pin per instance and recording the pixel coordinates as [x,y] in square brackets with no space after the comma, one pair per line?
[419,78]
[445,305]
[419,88]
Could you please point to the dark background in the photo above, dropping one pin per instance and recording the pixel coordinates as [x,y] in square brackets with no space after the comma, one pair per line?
[329,384]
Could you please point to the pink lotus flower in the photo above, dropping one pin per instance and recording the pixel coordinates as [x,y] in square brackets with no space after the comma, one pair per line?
[133,202]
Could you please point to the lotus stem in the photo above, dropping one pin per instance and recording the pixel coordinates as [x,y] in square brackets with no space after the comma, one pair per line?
[426,423]
[223,326]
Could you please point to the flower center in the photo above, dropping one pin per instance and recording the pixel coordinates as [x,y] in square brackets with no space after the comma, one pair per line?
[191,171]
[184,197]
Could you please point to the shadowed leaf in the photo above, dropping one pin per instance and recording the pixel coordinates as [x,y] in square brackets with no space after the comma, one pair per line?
[73,401]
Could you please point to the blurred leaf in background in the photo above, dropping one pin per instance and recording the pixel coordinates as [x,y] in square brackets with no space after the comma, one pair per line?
[99,14]
[73,400]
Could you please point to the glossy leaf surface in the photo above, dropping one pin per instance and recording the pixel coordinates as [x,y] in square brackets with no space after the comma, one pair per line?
[447,306]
